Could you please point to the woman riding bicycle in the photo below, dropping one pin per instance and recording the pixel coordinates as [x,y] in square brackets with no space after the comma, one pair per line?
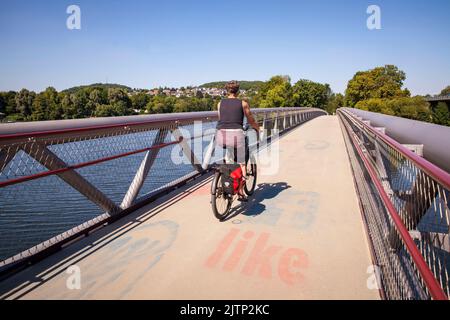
[230,133]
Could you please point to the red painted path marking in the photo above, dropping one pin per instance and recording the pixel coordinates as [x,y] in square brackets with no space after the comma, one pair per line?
[263,258]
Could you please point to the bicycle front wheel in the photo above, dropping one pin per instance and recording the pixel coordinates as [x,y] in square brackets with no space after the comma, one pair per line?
[250,183]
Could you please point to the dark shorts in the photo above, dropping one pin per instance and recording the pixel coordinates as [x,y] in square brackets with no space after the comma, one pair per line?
[234,141]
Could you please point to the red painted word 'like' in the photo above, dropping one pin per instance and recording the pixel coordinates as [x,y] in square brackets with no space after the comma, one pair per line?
[261,258]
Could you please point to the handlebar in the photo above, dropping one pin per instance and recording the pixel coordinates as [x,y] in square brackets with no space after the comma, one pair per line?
[247,127]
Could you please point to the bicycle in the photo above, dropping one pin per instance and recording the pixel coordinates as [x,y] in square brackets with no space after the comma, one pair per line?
[224,191]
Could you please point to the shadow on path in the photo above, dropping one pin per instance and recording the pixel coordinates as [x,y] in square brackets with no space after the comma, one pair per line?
[254,206]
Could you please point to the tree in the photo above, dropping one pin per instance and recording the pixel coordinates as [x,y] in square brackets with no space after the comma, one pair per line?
[24,102]
[118,98]
[9,102]
[335,102]
[106,110]
[415,108]
[40,108]
[67,105]
[95,96]
[381,82]
[79,101]
[309,94]
[140,100]
[2,103]
[8,106]
[54,109]
[446,91]
[441,114]
[375,105]
[161,104]
[98,96]
[275,93]
[182,105]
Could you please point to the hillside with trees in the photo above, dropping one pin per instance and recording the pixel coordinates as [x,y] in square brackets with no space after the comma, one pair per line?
[98,86]
[104,100]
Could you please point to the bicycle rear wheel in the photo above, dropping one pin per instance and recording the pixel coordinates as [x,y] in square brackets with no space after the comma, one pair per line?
[221,202]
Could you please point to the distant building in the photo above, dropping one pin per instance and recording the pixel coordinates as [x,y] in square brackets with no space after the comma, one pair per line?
[190,92]
[153,92]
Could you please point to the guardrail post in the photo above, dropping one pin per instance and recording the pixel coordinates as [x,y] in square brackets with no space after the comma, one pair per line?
[262,134]
[275,124]
[185,146]
[209,152]
[144,169]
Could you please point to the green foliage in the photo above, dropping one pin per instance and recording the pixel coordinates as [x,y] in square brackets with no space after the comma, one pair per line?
[14,117]
[382,86]
[412,108]
[2,103]
[182,105]
[275,93]
[381,82]
[120,101]
[9,102]
[24,102]
[98,96]
[46,106]
[140,100]
[375,105]
[80,106]
[164,104]
[445,91]
[67,105]
[100,86]
[161,104]
[415,108]
[335,102]
[40,108]
[380,90]
[309,94]
[441,114]
[107,110]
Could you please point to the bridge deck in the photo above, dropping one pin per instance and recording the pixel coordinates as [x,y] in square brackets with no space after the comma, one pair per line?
[301,237]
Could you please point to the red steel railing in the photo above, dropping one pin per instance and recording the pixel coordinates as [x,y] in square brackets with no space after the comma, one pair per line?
[406,190]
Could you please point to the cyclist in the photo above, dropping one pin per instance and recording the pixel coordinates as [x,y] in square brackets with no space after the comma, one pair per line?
[230,133]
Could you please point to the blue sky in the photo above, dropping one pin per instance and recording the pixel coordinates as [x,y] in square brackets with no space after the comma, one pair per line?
[185,42]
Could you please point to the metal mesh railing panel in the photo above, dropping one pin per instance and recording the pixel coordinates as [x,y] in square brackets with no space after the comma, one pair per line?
[420,200]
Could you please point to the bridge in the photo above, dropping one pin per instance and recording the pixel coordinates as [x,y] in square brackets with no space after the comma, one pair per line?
[439,98]
[435,100]
[346,207]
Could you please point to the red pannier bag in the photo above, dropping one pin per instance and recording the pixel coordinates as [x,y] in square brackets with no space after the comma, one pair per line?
[237,177]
